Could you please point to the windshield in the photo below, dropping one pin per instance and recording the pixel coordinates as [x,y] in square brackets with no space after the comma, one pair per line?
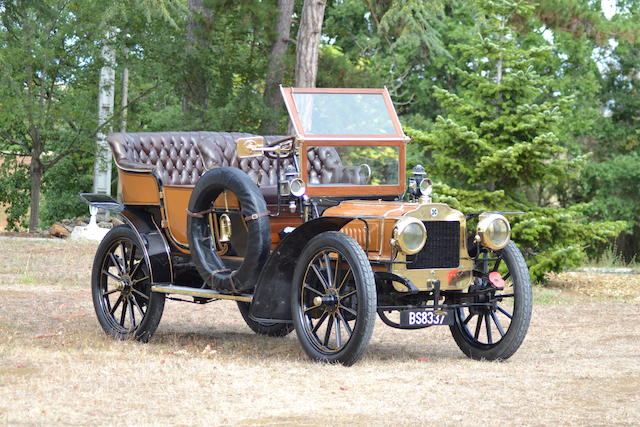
[353,165]
[343,114]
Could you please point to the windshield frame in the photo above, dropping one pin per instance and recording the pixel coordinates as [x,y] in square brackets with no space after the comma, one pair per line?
[287,95]
[348,189]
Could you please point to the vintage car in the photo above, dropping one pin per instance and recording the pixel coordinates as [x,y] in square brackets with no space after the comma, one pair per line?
[318,231]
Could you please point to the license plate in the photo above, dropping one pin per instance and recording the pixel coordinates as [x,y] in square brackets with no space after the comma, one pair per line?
[425,318]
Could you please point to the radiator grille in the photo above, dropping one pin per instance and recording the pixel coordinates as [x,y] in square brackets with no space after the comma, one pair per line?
[442,249]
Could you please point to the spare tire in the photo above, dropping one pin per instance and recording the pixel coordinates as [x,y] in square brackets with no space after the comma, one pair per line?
[254,210]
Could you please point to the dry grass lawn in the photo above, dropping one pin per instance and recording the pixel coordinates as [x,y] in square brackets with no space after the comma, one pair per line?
[578,365]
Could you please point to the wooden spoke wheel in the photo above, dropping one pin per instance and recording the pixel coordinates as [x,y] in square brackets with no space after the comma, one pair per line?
[495,323]
[334,299]
[121,287]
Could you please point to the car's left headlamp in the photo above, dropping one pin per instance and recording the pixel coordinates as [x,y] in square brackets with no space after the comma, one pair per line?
[494,231]
[409,235]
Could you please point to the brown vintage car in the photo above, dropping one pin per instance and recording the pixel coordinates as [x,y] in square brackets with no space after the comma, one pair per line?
[318,232]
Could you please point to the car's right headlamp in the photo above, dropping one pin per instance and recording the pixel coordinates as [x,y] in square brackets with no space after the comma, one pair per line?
[409,235]
[494,231]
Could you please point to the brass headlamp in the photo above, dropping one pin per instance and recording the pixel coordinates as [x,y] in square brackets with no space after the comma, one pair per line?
[409,235]
[493,231]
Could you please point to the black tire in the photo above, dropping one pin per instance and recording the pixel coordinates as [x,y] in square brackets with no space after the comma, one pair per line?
[201,243]
[121,280]
[261,328]
[474,328]
[334,268]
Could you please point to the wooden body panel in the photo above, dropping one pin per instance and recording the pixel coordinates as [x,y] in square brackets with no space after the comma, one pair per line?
[280,222]
[380,217]
[139,188]
[371,208]
[176,202]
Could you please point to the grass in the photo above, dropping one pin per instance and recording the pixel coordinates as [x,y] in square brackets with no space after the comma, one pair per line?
[611,258]
[577,366]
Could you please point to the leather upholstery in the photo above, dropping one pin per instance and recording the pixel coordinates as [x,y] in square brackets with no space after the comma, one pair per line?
[173,156]
[180,158]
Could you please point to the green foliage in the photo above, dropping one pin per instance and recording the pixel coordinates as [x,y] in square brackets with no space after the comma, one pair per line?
[14,191]
[48,86]
[63,183]
[551,238]
[501,130]
[504,99]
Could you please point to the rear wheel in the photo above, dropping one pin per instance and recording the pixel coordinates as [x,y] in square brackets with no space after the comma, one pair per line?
[333,299]
[121,288]
[495,326]
[263,328]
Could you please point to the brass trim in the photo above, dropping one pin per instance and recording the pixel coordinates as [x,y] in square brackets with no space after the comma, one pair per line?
[423,278]
[194,292]
[126,169]
[249,147]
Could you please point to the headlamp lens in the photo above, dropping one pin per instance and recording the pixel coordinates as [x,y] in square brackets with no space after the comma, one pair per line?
[494,231]
[410,235]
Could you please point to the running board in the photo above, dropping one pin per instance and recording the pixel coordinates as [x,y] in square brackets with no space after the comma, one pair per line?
[196,292]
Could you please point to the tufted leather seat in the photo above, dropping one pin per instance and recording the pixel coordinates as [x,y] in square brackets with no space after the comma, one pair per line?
[173,156]
[180,158]
[219,149]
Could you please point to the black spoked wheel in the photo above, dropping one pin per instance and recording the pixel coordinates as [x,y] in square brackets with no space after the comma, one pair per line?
[333,299]
[121,287]
[263,328]
[494,328]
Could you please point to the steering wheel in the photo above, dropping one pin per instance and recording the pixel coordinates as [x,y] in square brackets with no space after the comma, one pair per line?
[281,149]
[367,168]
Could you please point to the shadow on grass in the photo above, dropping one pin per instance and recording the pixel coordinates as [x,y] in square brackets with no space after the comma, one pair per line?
[240,344]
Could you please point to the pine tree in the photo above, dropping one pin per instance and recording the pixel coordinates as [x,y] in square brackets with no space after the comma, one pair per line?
[501,127]
[498,142]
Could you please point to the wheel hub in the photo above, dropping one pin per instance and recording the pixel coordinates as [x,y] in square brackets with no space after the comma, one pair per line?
[125,286]
[329,301]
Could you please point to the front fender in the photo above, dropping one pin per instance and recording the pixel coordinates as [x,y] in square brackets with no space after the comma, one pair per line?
[272,297]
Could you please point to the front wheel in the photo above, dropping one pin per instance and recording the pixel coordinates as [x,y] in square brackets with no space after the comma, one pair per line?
[333,300]
[495,323]
[121,287]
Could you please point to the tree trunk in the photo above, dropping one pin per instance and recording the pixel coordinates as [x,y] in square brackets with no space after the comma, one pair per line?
[124,101]
[106,89]
[308,42]
[36,169]
[275,70]
[196,95]
[124,104]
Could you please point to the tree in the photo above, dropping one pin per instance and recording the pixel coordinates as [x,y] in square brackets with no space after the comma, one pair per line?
[47,81]
[500,130]
[196,94]
[276,67]
[308,42]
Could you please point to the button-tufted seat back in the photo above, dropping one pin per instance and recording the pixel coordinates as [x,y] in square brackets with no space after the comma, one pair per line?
[173,156]
[180,158]
[219,149]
